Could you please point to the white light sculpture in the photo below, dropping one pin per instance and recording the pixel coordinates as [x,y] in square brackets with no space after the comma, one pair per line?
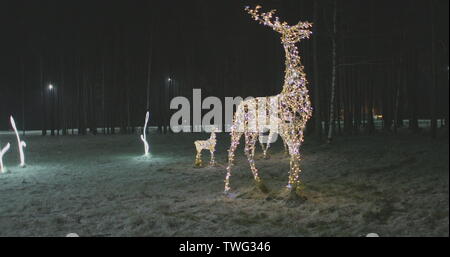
[144,135]
[20,143]
[292,106]
[2,152]
[201,145]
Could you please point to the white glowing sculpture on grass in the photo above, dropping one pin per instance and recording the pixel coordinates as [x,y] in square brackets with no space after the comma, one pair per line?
[201,145]
[2,152]
[144,135]
[290,109]
[20,143]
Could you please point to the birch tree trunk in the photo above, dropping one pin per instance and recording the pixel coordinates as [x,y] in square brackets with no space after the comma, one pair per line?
[333,76]
[317,113]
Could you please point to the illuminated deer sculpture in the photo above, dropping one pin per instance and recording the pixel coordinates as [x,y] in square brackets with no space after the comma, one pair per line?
[288,111]
[210,145]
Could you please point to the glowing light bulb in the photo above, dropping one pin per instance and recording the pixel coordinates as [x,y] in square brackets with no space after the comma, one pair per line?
[20,143]
[50,87]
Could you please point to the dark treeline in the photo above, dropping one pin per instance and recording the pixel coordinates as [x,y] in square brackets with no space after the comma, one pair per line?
[109,62]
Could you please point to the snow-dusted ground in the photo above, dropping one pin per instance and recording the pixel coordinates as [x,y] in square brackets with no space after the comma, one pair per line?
[102,186]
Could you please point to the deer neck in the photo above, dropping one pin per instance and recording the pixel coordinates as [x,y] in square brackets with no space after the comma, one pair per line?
[294,77]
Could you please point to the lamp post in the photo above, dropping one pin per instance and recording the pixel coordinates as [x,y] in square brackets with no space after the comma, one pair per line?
[52,90]
[167,103]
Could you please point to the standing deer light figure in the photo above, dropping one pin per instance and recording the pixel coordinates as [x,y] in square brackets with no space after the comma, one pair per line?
[2,152]
[201,145]
[288,111]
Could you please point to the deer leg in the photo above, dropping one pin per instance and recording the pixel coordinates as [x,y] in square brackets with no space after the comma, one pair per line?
[250,142]
[235,136]
[213,161]
[286,151]
[294,184]
[294,170]
[271,134]
[198,158]
[263,149]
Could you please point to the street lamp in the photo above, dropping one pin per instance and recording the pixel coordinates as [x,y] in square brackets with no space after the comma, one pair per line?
[167,100]
[52,92]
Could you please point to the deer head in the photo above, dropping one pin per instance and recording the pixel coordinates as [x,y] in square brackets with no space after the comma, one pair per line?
[289,34]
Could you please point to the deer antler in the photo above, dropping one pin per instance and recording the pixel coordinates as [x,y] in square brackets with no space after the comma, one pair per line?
[301,29]
[264,18]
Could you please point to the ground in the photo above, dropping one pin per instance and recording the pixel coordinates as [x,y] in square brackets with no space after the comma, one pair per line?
[102,186]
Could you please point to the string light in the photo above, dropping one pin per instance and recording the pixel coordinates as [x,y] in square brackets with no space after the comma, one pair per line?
[201,145]
[144,135]
[289,110]
[2,152]
[20,143]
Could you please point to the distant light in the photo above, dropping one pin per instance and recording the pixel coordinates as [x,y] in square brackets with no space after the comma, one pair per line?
[169,79]
[50,87]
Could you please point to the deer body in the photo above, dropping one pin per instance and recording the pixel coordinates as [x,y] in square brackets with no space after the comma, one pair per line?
[285,113]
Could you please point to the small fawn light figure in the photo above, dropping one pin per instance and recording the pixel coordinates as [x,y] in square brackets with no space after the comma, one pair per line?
[201,145]
[2,152]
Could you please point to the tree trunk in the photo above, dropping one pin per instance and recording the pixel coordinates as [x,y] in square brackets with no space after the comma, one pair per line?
[333,76]
[22,69]
[433,93]
[317,113]
[44,114]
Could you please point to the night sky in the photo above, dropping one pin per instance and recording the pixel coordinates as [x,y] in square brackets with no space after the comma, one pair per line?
[212,45]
